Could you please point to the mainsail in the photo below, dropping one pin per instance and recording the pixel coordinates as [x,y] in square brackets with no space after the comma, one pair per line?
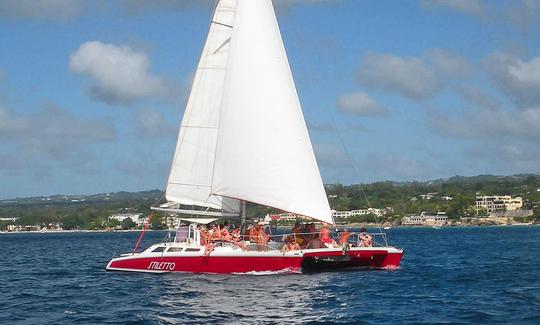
[191,172]
[264,154]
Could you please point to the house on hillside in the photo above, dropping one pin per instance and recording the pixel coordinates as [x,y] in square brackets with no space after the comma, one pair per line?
[426,219]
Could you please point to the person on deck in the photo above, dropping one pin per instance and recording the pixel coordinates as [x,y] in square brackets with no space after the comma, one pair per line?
[204,235]
[237,239]
[324,236]
[315,243]
[297,231]
[206,241]
[344,237]
[225,234]
[365,239]
[290,245]
[311,230]
[215,232]
[261,238]
[253,232]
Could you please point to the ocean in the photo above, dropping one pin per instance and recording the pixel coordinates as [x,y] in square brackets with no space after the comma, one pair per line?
[475,275]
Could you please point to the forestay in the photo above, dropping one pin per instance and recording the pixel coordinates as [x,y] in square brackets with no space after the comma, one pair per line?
[264,154]
[190,177]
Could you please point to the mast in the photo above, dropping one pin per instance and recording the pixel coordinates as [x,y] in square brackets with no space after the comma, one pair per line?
[242,213]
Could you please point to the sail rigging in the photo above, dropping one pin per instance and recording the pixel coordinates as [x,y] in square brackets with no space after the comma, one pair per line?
[243,134]
[264,153]
[191,171]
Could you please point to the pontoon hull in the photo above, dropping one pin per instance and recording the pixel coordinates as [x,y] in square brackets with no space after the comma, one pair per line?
[301,261]
[355,258]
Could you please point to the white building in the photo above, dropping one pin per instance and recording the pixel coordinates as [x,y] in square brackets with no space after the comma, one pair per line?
[497,203]
[360,212]
[426,219]
[288,217]
[135,217]
[335,214]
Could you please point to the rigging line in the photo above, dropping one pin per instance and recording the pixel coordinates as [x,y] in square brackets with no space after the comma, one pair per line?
[355,170]
[221,24]
[188,184]
[197,127]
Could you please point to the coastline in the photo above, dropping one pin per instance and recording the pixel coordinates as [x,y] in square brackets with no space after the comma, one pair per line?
[74,231]
[340,226]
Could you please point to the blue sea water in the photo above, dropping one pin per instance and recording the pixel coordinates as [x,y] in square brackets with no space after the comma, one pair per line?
[452,275]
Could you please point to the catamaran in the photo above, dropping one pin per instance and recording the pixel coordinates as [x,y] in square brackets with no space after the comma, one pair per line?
[243,138]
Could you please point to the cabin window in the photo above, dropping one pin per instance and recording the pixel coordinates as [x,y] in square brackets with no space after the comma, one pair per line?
[174,249]
[192,250]
[158,249]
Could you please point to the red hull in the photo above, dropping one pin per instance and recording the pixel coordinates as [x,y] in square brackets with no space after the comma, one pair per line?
[355,258]
[307,261]
[208,264]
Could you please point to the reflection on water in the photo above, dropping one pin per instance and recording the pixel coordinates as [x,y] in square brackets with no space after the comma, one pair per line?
[243,298]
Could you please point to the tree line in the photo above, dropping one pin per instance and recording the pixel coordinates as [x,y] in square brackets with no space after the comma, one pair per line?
[401,198]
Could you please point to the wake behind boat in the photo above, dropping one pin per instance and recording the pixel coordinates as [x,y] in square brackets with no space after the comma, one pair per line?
[242,139]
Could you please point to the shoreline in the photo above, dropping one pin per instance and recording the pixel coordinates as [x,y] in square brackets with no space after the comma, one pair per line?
[72,231]
[341,226]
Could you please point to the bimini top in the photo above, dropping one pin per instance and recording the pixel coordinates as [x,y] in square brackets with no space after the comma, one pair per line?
[202,221]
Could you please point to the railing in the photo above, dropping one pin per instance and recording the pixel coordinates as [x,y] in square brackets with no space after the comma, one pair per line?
[354,237]
[379,239]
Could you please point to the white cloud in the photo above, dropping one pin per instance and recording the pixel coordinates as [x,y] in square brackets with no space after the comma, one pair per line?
[469,7]
[517,78]
[488,124]
[60,10]
[320,127]
[524,13]
[11,124]
[449,64]
[409,77]
[331,156]
[519,13]
[478,97]
[353,126]
[508,157]
[140,6]
[360,103]
[51,133]
[151,124]
[303,2]
[120,74]
[397,166]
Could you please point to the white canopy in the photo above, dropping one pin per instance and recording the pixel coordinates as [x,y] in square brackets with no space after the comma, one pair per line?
[198,220]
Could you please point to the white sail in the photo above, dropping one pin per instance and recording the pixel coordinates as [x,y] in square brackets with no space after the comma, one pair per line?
[191,171]
[264,154]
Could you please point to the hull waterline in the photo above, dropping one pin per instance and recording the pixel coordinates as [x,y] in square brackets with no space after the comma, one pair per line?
[314,260]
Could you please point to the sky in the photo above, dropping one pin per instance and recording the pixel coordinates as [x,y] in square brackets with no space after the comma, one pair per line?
[92,92]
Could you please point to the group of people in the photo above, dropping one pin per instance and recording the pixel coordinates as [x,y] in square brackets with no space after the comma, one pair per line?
[220,233]
[304,236]
[307,236]
[364,239]
[215,233]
